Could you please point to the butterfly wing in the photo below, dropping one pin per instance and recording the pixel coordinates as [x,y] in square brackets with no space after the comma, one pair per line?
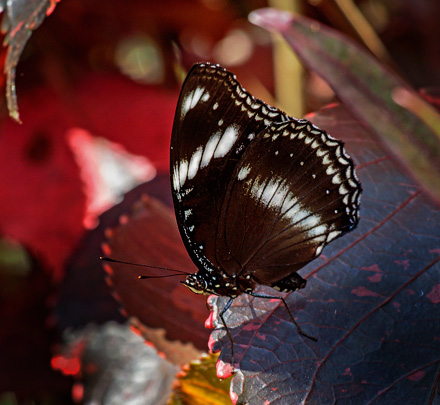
[255,192]
[215,121]
[293,191]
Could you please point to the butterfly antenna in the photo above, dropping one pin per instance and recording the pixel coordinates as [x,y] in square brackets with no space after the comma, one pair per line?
[180,272]
[168,275]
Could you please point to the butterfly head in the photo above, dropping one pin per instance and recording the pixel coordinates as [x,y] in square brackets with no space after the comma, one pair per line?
[196,283]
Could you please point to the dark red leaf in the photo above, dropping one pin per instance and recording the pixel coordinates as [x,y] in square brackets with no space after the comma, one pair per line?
[138,117]
[43,198]
[84,296]
[26,338]
[41,193]
[148,235]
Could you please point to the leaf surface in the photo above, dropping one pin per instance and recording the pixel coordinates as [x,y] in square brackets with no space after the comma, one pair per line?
[84,297]
[369,90]
[372,302]
[148,235]
[41,192]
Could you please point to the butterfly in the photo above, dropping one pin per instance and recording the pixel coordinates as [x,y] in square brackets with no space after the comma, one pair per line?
[257,194]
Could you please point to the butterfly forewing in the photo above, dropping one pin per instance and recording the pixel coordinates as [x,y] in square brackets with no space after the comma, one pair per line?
[215,121]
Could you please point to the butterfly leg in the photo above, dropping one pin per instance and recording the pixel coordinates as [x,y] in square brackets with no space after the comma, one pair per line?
[222,312]
[271,297]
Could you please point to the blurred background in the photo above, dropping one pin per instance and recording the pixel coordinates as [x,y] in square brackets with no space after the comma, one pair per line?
[97,86]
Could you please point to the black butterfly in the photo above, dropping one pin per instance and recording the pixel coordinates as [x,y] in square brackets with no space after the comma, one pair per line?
[257,194]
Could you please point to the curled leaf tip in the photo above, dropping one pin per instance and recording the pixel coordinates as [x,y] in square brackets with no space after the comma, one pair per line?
[16,116]
[271,19]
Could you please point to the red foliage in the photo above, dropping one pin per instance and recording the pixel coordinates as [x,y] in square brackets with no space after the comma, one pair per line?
[66,79]
[42,197]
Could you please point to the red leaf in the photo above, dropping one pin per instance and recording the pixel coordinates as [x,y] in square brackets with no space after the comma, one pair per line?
[85,298]
[149,235]
[138,117]
[42,197]
[26,339]
[41,194]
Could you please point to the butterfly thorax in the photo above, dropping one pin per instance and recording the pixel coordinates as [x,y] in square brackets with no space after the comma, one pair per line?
[223,285]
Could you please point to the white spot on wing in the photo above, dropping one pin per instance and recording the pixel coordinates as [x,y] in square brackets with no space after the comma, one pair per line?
[342,160]
[319,250]
[343,190]
[352,183]
[192,99]
[309,220]
[326,160]
[183,172]
[320,152]
[208,153]
[269,195]
[194,163]
[332,235]
[337,179]
[244,171]
[298,214]
[176,179]
[318,230]
[226,141]
[289,202]
[331,170]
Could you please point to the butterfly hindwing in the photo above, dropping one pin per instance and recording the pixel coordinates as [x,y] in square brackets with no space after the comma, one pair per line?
[293,192]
